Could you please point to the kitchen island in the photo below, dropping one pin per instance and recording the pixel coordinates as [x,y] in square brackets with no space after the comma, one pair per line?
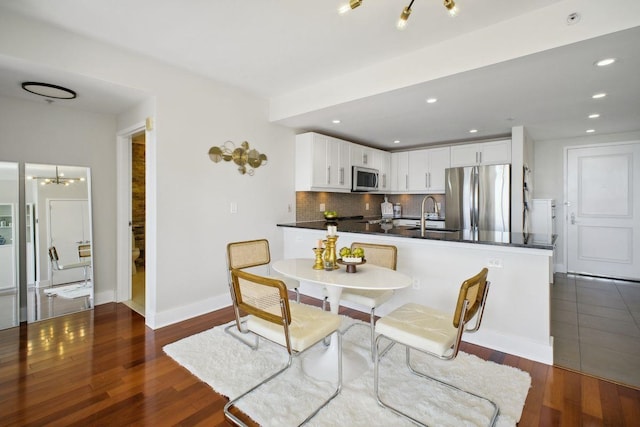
[517,317]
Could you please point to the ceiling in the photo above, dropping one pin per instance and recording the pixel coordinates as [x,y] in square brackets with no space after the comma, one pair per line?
[274,48]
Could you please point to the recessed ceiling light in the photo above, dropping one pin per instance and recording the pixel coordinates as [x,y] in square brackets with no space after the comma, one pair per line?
[335,121]
[605,62]
[473,131]
[48,90]
[591,130]
[599,95]
[431,100]
[397,141]
[594,116]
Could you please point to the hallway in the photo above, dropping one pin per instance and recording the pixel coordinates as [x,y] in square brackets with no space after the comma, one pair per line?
[596,327]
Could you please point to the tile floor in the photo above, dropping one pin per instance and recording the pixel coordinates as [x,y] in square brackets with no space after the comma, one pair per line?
[596,327]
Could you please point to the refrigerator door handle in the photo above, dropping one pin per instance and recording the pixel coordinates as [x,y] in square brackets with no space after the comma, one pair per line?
[472,192]
[476,197]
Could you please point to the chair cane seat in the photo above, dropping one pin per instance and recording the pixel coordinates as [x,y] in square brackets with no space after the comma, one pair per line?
[421,327]
[309,325]
[366,297]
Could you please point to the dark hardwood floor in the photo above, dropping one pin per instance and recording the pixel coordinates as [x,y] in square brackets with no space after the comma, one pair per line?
[105,367]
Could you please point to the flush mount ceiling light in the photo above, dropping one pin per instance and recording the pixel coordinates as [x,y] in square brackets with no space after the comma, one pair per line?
[599,95]
[605,62]
[594,116]
[450,5]
[48,90]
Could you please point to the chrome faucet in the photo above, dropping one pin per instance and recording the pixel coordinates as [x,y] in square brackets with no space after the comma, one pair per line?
[422,213]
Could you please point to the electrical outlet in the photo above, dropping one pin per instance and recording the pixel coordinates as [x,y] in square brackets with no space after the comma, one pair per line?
[233,207]
[494,263]
[416,284]
[366,206]
[322,209]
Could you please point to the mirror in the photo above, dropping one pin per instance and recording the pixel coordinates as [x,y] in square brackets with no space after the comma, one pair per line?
[59,262]
[9,289]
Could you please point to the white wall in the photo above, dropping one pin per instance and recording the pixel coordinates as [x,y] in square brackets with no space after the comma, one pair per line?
[34,132]
[549,180]
[193,222]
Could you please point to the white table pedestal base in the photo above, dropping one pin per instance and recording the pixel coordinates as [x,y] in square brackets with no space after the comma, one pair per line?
[323,365]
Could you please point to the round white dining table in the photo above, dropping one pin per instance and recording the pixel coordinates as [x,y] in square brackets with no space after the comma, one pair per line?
[367,276]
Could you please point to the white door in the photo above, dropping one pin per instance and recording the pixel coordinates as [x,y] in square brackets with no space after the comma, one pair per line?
[603,211]
[68,228]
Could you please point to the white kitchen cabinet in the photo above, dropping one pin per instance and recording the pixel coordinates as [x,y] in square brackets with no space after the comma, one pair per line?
[400,171]
[322,163]
[543,219]
[426,170]
[382,162]
[362,156]
[483,153]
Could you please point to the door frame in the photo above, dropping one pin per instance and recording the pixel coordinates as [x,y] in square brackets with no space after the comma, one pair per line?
[123,228]
[565,222]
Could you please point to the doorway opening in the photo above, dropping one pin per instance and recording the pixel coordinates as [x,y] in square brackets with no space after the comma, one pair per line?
[137,222]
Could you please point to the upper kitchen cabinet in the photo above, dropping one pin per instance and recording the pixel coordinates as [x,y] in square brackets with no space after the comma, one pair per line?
[400,171]
[421,171]
[382,162]
[322,163]
[484,153]
[362,156]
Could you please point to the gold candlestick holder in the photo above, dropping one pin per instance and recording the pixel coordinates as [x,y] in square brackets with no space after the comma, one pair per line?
[330,253]
[319,264]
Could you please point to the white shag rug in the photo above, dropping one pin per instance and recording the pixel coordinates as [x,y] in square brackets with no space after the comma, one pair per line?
[231,368]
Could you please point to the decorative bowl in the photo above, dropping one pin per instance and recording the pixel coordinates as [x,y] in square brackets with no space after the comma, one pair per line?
[330,216]
[351,266]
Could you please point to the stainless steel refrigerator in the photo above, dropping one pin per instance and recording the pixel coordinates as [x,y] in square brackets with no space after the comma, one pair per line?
[478,198]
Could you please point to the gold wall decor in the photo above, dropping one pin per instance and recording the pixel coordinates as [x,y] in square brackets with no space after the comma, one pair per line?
[246,158]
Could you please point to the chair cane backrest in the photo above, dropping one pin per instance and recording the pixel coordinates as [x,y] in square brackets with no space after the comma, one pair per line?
[53,255]
[381,255]
[473,291]
[250,253]
[262,297]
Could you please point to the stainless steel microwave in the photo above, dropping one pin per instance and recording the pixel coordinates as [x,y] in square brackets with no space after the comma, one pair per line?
[364,179]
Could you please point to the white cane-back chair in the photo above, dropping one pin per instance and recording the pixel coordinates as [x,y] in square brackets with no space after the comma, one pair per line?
[433,332]
[255,253]
[383,256]
[296,327]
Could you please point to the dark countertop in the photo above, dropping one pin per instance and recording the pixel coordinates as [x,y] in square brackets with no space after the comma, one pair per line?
[499,238]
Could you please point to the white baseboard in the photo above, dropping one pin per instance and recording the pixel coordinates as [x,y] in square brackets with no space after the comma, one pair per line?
[178,314]
[104,297]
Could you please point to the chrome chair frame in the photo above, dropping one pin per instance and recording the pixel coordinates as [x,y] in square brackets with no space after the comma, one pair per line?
[466,312]
[285,321]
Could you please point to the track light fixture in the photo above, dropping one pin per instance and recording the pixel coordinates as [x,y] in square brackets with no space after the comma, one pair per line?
[406,12]
[349,6]
[450,5]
